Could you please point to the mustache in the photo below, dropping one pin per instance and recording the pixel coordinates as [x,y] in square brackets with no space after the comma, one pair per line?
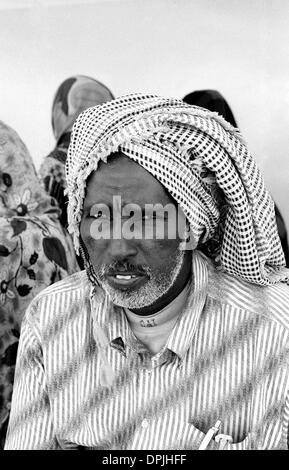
[125,266]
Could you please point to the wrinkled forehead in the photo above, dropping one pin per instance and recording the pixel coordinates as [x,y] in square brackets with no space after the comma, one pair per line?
[124,177]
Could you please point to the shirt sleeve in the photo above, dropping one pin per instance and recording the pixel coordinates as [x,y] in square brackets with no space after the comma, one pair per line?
[30,424]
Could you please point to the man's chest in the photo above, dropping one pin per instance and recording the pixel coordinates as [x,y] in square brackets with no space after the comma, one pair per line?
[161,405]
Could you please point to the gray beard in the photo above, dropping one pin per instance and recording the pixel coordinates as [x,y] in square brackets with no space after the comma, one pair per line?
[158,285]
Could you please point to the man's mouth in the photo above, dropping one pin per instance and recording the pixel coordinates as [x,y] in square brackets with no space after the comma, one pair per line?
[125,276]
[125,280]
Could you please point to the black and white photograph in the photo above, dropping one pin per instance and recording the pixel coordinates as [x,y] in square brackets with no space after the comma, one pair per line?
[144,260]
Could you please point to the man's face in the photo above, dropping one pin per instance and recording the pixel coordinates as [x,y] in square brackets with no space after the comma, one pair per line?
[137,259]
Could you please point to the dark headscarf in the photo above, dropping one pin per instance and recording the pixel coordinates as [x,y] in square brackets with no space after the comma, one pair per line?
[74,95]
[213,101]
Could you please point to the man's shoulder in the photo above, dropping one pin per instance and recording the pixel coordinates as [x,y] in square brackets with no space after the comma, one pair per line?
[59,299]
[271,302]
[75,282]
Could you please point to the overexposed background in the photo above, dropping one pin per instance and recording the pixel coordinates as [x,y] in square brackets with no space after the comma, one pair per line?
[169,47]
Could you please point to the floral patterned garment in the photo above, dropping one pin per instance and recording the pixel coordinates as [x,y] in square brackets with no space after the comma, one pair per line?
[73,96]
[35,251]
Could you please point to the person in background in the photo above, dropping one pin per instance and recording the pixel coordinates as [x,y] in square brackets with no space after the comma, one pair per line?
[35,251]
[214,101]
[157,346]
[73,96]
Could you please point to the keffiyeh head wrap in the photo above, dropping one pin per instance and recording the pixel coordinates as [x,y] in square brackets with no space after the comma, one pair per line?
[204,164]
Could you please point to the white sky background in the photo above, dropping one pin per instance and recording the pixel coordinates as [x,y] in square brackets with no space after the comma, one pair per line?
[169,47]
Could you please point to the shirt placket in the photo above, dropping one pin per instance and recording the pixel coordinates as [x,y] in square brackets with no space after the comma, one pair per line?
[146,390]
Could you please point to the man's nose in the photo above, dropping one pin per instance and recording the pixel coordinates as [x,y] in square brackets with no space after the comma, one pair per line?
[121,249]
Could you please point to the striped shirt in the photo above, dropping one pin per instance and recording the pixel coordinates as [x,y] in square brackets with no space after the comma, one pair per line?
[225,359]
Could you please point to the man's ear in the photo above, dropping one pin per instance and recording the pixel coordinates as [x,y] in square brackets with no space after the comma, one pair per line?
[188,241]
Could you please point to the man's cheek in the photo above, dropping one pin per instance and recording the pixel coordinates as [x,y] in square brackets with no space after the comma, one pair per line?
[84,229]
[159,249]
[95,247]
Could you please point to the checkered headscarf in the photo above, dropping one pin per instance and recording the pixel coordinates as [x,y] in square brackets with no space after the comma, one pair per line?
[204,164]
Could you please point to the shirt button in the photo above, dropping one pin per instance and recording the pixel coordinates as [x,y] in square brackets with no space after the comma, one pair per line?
[144,423]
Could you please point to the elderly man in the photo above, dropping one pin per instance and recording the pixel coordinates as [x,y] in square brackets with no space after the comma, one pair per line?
[176,334]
